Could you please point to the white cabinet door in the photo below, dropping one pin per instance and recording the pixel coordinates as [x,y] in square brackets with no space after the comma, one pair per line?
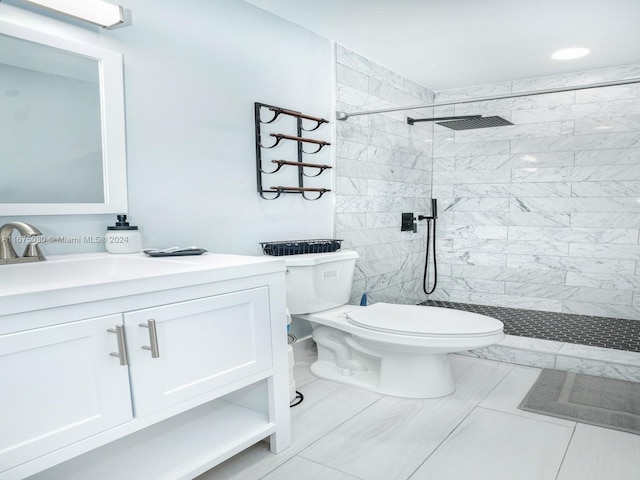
[59,385]
[202,344]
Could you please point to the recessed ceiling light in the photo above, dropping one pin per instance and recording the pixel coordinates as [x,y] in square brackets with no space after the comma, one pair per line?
[570,53]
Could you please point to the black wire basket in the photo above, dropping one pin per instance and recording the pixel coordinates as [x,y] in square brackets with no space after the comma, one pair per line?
[298,247]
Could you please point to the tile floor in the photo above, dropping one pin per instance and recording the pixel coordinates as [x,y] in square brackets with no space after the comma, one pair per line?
[477,433]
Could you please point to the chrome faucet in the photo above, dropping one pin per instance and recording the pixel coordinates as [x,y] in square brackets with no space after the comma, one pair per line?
[32,252]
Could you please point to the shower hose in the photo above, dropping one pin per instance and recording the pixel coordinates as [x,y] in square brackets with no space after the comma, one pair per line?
[431,241]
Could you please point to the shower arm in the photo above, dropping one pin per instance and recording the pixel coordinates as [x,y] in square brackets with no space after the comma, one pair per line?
[345,115]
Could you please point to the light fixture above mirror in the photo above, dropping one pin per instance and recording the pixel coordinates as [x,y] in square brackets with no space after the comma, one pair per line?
[97,12]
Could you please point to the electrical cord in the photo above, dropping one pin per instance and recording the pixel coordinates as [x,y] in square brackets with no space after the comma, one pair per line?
[298,400]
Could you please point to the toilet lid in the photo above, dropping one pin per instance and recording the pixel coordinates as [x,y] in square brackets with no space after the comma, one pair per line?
[421,320]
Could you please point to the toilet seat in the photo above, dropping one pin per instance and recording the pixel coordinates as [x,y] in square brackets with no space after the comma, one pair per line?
[417,320]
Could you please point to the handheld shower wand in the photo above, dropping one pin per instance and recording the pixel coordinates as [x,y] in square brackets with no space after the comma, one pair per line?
[431,243]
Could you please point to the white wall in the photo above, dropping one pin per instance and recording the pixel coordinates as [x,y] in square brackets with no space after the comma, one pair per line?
[192,72]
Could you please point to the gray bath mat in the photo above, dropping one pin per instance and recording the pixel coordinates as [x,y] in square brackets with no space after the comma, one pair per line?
[605,402]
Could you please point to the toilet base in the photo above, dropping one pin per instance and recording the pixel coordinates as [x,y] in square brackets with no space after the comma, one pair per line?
[412,375]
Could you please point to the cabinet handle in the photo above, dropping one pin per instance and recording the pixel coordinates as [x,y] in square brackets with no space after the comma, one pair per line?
[153,338]
[122,346]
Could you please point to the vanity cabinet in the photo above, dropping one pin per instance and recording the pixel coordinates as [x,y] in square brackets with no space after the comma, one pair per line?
[162,384]
[202,345]
[59,385]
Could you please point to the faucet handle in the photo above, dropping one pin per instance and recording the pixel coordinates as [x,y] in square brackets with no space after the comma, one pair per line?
[33,250]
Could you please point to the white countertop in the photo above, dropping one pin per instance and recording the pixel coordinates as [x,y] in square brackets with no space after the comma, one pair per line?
[70,279]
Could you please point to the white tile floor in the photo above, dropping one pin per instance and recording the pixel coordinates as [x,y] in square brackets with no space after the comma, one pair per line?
[477,433]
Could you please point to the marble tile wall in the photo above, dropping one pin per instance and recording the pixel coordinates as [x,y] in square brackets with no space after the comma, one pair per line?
[543,214]
[383,168]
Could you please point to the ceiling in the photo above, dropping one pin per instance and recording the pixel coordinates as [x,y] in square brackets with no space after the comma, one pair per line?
[444,44]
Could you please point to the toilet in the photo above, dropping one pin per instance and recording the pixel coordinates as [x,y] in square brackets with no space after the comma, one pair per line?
[392,349]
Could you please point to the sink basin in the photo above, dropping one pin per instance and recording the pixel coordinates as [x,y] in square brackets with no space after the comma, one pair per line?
[60,272]
[80,278]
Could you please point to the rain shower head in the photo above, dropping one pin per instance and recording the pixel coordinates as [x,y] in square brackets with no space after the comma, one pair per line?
[472,123]
[467,122]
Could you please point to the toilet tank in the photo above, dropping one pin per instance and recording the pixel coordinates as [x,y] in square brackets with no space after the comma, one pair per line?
[319,281]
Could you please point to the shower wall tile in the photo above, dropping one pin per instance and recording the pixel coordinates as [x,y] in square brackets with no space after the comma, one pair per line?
[509,274]
[600,220]
[507,190]
[575,235]
[485,162]
[608,157]
[383,168]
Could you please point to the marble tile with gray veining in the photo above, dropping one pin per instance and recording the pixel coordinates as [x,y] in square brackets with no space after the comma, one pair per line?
[346,149]
[539,247]
[571,264]
[577,79]
[578,294]
[478,176]
[473,231]
[351,78]
[604,280]
[351,185]
[589,352]
[628,123]
[606,172]
[617,108]
[363,169]
[628,252]
[398,158]
[476,204]
[534,344]
[603,220]
[521,160]
[352,204]
[509,274]
[489,107]
[400,189]
[516,132]
[542,219]
[512,355]
[359,100]
[479,245]
[353,132]
[513,218]
[575,235]
[547,174]
[575,204]
[466,93]
[529,189]
[614,92]
[598,368]
[422,177]
[608,157]
[601,310]
[577,142]
[351,221]
[473,258]
[451,149]
[512,301]
[471,284]
[611,188]
[444,164]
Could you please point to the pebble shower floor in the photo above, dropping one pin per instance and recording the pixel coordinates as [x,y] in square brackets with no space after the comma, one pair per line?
[615,333]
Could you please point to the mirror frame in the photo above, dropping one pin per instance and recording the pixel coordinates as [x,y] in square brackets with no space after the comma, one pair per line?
[114,163]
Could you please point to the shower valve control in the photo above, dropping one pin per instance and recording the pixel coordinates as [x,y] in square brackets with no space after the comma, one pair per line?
[408,223]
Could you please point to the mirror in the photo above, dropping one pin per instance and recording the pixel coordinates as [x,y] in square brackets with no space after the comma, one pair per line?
[62,139]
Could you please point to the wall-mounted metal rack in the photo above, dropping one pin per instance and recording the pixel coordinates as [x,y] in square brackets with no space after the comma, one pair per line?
[305,169]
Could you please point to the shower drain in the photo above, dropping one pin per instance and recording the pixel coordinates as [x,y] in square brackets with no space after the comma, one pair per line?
[616,333]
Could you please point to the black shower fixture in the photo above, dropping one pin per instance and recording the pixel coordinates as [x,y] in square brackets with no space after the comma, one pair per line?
[466,122]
